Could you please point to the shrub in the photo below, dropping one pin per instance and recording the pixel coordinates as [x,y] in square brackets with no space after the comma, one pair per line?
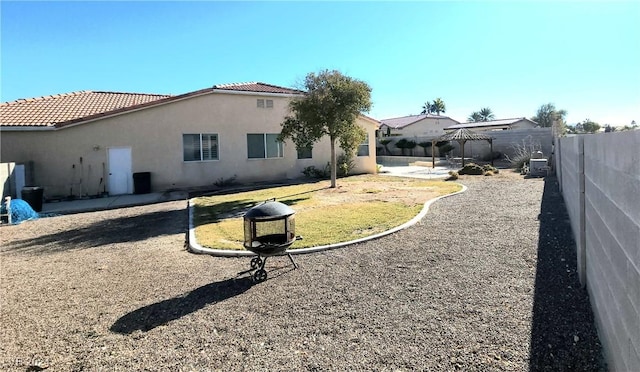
[411,145]
[385,142]
[402,144]
[453,175]
[344,165]
[522,153]
[313,172]
[490,168]
[223,182]
[424,146]
[472,169]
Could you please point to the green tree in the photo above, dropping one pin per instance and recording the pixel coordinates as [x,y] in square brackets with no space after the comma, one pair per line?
[425,145]
[402,144]
[385,142]
[548,114]
[411,145]
[589,126]
[330,107]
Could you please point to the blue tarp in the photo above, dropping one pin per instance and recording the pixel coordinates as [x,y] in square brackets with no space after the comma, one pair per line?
[20,211]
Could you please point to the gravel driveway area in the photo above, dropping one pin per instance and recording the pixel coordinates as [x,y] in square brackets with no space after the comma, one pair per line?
[486,281]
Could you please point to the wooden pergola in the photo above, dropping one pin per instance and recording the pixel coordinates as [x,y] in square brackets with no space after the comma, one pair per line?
[461,136]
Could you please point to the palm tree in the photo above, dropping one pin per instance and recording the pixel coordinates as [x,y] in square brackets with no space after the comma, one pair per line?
[486,114]
[427,108]
[438,106]
[475,117]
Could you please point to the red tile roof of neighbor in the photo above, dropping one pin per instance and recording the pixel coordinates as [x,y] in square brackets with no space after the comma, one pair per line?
[257,87]
[69,108]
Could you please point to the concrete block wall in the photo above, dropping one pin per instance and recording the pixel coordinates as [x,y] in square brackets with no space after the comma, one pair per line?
[503,141]
[607,224]
[572,171]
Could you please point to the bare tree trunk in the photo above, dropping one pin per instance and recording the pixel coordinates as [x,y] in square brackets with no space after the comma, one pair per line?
[333,163]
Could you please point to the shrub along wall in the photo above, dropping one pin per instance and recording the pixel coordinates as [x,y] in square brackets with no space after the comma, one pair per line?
[599,177]
[503,141]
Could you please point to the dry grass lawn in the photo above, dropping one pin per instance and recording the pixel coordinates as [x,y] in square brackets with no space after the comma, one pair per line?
[359,206]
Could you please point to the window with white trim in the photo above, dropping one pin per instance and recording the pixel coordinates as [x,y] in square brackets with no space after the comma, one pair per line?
[200,147]
[264,146]
[363,148]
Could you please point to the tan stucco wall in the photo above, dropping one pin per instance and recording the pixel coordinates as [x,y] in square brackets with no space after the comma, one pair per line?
[425,127]
[155,137]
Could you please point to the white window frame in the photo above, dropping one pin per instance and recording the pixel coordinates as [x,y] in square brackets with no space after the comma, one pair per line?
[201,147]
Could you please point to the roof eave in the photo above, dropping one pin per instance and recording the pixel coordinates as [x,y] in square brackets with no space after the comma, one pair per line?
[25,128]
[254,93]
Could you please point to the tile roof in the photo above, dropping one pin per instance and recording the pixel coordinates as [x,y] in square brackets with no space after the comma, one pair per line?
[401,122]
[69,108]
[491,123]
[257,87]
[61,109]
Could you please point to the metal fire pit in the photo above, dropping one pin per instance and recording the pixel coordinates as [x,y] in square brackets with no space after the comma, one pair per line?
[269,229]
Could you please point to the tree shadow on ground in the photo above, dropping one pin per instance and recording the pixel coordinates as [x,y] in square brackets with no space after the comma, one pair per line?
[104,232]
[563,333]
[154,315]
[205,214]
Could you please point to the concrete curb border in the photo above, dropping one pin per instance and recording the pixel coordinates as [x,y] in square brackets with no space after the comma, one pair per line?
[194,247]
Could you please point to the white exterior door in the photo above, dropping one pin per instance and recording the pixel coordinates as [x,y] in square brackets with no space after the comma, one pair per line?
[120,176]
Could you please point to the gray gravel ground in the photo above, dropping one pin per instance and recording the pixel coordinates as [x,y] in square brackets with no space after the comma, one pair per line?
[485,282]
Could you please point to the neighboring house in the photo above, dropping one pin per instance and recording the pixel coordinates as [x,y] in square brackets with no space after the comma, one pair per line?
[427,125]
[501,124]
[88,143]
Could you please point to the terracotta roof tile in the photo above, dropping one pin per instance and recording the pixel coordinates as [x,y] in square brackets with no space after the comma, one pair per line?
[257,87]
[59,109]
[69,108]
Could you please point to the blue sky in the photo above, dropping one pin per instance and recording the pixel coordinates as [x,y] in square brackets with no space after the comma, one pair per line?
[509,56]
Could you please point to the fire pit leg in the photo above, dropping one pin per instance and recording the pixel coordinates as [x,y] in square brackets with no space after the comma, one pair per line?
[292,261]
[259,275]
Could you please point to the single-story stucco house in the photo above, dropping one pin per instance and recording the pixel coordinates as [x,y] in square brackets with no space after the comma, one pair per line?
[424,125]
[501,124]
[89,143]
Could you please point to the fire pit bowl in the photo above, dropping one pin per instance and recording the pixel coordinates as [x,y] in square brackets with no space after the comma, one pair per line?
[269,229]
